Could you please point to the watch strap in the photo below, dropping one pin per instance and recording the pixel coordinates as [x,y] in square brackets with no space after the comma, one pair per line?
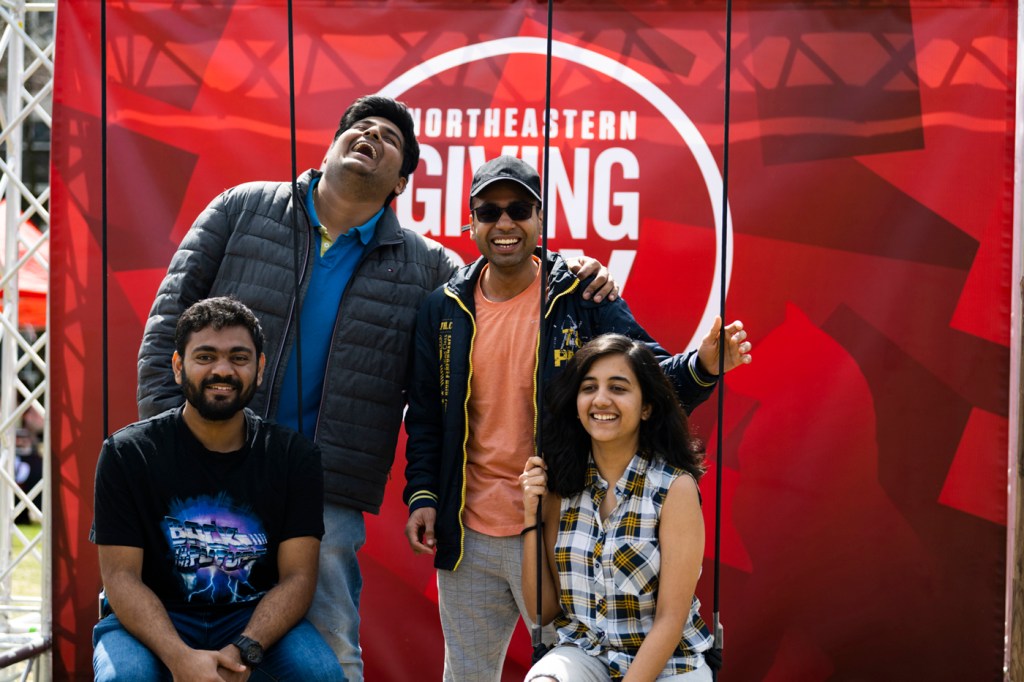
[250,649]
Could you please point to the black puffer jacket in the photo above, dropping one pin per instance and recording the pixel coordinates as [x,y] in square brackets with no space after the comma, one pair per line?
[242,245]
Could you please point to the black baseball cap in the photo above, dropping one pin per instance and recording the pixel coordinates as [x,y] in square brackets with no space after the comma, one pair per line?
[506,168]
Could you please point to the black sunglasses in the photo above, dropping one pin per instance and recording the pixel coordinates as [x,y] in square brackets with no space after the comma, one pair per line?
[491,213]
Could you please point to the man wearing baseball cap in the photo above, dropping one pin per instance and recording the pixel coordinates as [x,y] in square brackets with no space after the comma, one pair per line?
[472,415]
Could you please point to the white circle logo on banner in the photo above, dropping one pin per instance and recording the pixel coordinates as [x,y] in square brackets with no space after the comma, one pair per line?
[631,79]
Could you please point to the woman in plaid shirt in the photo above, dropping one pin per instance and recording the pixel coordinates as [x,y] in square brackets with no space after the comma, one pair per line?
[623,530]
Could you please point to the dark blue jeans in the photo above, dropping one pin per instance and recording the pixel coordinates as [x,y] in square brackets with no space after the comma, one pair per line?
[301,654]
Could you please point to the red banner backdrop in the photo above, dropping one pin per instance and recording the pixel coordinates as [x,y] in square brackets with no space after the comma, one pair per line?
[864,507]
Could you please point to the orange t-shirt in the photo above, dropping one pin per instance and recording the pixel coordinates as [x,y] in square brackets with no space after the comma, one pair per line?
[501,413]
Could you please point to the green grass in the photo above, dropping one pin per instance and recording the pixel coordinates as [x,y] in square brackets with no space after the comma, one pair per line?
[27,580]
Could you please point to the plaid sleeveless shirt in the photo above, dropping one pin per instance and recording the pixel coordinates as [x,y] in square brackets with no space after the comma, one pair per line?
[608,572]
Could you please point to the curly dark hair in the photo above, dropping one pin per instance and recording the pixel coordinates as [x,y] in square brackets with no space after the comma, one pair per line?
[664,435]
[217,312]
[392,110]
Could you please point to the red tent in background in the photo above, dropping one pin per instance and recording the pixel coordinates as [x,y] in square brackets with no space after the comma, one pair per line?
[33,278]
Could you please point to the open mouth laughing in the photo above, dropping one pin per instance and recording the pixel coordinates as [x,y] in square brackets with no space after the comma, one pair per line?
[365,148]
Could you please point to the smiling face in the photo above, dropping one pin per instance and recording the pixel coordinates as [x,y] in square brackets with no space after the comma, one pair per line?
[219,372]
[507,244]
[370,150]
[610,405]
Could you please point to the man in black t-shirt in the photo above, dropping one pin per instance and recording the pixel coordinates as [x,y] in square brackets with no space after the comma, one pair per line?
[208,522]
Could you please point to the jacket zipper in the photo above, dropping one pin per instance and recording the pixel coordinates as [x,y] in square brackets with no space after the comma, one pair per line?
[465,420]
[288,323]
[337,321]
[465,406]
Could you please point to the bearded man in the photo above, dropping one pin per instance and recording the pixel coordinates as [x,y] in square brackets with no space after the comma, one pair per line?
[208,521]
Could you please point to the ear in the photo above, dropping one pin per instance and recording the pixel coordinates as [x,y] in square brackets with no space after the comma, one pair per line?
[645,413]
[323,163]
[400,187]
[260,364]
[176,363]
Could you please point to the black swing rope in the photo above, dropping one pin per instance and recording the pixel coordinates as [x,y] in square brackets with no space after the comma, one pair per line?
[718,631]
[104,265]
[103,215]
[296,239]
[535,630]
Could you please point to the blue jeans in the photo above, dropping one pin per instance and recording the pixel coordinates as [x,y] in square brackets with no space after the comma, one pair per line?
[335,609]
[300,655]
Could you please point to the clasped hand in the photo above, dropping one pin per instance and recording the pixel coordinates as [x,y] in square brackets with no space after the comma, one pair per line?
[534,484]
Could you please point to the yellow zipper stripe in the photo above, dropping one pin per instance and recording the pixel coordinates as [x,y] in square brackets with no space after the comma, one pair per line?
[422,495]
[693,372]
[551,305]
[465,419]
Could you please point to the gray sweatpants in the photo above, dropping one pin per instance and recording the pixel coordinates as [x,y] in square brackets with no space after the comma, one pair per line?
[480,604]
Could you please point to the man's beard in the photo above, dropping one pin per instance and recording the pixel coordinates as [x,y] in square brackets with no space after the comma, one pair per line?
[213,409]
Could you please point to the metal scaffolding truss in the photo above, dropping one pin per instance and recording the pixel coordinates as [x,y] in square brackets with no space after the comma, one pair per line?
[26,86]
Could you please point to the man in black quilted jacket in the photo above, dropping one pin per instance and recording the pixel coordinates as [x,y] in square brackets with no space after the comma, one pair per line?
[336,252]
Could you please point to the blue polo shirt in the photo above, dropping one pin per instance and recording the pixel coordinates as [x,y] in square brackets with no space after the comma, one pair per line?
[320,310]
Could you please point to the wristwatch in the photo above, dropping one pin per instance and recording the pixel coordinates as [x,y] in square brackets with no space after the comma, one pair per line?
[252,651]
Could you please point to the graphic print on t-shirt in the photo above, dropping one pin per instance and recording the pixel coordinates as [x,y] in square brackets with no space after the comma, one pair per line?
[215,544]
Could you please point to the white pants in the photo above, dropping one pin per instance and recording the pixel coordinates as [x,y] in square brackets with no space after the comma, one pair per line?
[572,664]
